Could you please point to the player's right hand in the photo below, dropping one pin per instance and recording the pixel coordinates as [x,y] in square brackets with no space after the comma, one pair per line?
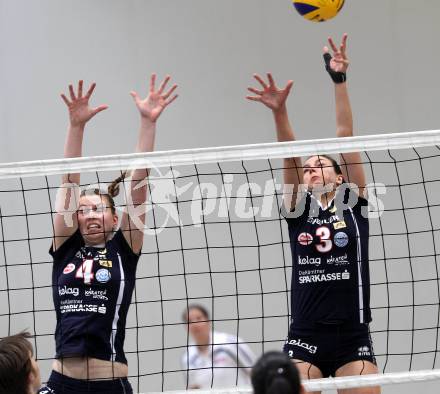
[80,112]
[270,95]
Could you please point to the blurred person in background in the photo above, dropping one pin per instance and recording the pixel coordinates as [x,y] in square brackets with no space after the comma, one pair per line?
[213,359]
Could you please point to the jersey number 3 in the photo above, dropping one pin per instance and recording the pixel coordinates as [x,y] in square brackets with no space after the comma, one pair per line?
[325,243]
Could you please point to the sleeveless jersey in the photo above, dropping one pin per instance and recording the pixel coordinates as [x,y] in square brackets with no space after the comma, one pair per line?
[330,273]
[92,290]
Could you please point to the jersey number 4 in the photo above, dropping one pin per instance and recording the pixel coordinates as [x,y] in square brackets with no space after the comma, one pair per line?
[85,271]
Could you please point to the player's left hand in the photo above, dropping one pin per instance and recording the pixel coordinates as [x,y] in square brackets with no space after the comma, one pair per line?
[339,61]
[157,100]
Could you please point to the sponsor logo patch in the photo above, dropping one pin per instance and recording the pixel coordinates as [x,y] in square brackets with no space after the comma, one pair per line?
[46,390]
[305,239]
[338,260]
[364,351]
[310,348]
[103,275]
[339,225]
[320,277]
[332,219]
[96,294]
[72,308]
[69,268]
[106,263]
[309,260]
[340,239]
[68,290]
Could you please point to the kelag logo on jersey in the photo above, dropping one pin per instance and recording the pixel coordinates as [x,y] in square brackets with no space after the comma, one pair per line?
[309,260]
[340,239]
[68,291]
[103,275]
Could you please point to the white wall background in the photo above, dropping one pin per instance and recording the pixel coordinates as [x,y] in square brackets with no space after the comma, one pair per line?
[211,49]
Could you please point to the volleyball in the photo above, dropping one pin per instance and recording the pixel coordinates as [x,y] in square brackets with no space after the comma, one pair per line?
[318,10]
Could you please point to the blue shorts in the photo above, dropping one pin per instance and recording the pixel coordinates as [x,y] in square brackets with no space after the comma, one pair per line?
[329,346]
[61,384]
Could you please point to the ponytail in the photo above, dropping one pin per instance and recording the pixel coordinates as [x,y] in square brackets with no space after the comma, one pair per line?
[113,189]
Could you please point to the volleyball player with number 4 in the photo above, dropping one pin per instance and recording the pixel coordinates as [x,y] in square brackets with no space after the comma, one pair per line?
[95,259]
[329,230]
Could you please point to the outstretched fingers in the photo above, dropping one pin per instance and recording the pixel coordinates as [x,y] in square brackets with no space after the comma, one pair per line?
[163,84]
[256,91]
[72,93]
[152,82]
[332,45]
[168,101]
[135,96]
[80,88]
[170,91]
[254,98]
[335,49]
[271,80]
[99,109]
[288,86]
[63,96]
[343,46]
[270,95]
[260,81]
[90,91]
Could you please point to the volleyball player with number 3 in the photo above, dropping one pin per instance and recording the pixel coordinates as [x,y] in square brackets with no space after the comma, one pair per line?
[329,231]
[94,260]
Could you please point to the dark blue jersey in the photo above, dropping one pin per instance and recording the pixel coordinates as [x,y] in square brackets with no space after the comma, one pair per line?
[330,274]
[92,290]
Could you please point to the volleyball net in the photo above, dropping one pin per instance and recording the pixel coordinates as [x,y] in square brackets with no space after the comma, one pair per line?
[215,236]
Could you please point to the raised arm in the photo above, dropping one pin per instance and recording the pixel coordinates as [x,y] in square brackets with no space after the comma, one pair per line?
[150,109]
[80,112]
[275,99]
[337,65]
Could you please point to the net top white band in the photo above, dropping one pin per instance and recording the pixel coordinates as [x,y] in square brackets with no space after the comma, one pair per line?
[274,150]
[340,383]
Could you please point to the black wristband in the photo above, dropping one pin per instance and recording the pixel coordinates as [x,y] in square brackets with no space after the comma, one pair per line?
[336,76]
